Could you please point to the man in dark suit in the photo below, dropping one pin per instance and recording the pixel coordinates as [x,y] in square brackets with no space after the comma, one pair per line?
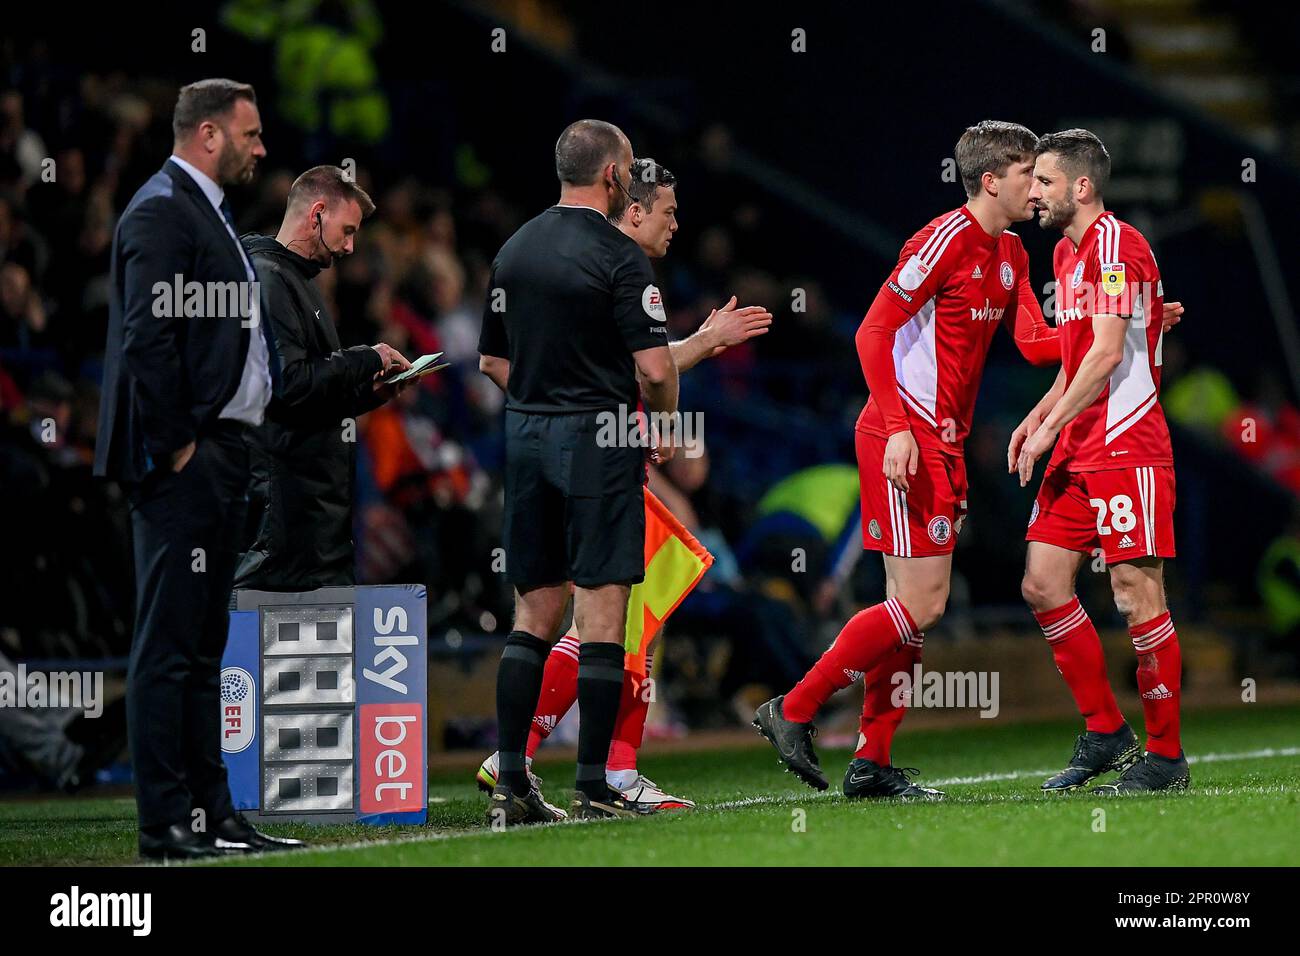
[304,459]
[188,370]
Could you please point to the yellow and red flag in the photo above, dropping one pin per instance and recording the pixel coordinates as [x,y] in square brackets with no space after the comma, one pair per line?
[674,563]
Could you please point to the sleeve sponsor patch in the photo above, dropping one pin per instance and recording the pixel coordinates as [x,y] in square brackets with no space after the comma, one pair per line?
[913,274]
[1112,278]
[653,303]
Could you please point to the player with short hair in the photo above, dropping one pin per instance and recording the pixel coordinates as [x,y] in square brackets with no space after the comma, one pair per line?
[650,218]
[922,346]
[1110,481]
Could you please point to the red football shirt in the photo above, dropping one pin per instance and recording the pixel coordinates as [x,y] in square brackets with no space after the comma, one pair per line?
[1113,272]
[926,336]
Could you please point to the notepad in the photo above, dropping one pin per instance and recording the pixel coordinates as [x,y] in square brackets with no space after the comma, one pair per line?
[421,366]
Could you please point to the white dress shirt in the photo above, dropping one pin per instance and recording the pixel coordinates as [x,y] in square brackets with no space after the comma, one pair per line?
[254,392]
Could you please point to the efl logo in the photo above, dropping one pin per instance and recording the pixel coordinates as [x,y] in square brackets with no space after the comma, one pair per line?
[392,758]
[238,709]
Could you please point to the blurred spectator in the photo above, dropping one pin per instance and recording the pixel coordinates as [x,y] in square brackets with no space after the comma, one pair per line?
[1266,432]
[19,145]
[22,314]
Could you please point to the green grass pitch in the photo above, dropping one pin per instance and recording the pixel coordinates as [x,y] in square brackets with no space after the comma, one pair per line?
[1243,809]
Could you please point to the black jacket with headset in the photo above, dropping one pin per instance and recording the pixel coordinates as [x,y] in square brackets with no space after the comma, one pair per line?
[304,459]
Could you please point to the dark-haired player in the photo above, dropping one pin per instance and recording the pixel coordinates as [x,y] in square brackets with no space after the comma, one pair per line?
[1110,481]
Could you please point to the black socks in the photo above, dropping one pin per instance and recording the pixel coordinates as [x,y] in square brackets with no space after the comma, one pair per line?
[600,687]
[519,684]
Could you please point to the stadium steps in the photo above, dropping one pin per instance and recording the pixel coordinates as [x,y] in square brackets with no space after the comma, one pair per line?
[1199,56]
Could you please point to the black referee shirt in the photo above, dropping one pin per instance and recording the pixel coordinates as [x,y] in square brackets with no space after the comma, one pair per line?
[571,298]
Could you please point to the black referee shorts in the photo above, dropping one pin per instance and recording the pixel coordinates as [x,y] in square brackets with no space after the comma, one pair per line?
[574,511]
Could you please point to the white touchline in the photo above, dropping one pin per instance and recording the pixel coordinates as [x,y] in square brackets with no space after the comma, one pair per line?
[1265,754]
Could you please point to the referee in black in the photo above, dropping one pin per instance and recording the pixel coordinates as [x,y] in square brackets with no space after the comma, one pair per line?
[572,320]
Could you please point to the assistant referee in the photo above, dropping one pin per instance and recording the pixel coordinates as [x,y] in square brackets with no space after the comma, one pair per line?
[572,318]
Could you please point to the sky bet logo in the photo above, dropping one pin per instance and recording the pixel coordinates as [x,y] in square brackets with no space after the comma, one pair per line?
[392,753]
[391,764]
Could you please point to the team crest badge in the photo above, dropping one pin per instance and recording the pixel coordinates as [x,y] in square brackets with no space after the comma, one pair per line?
[1077,277]
[1007,275]
[873,529]
[939,529]
[1112,278]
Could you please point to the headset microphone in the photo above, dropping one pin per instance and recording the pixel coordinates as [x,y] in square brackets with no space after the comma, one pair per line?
[320,232]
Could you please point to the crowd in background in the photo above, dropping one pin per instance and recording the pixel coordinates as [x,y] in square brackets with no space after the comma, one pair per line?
[74,149]
[428,505]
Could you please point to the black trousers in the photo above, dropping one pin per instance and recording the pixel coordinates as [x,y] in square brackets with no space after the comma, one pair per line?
[186,528]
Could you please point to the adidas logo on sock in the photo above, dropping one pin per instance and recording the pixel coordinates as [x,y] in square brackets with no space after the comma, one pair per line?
[1126,542]
[977,274]
[1159,692]
[545,721]
[853,675]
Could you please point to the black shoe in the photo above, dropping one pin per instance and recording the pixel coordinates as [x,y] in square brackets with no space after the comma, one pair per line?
[793,743]
[612,807]
[177,842]
[1151,774]
[235,830]
[866,779]
[1094,754]
[507,809]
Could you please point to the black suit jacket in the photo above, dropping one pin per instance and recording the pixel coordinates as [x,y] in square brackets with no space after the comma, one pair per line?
[166,376]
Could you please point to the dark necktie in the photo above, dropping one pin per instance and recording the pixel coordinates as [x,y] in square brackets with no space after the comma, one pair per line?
[264,323]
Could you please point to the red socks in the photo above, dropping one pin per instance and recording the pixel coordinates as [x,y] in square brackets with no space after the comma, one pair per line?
[630,726]
[867,638]
[1159,679]
[880,715]
[1077,651]
[559,691]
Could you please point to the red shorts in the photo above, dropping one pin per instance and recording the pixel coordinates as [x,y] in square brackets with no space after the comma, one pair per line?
[1126,512]
[923,522]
